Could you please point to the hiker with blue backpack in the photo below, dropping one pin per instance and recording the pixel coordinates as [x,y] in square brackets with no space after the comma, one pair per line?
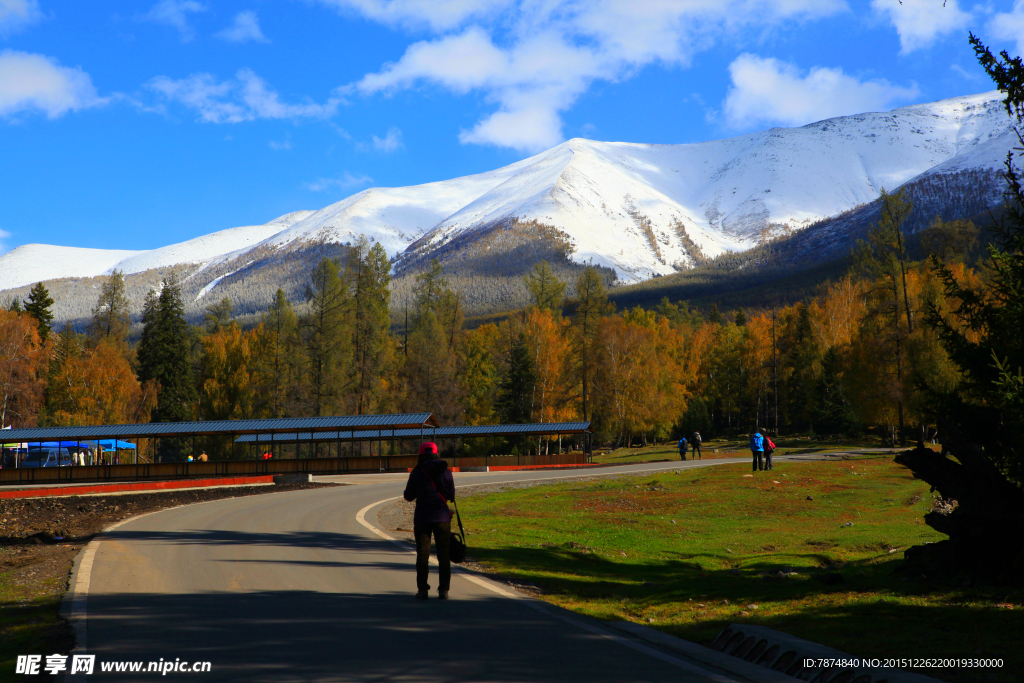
[682,448]
[757,449]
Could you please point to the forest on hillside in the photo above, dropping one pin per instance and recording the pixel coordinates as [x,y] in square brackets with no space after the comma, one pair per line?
[854,357]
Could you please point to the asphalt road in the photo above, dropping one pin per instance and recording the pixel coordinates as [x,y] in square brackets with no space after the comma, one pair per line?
[292,587]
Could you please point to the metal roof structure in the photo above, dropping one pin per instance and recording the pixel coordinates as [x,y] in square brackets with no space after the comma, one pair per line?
[289,425]
[531,429]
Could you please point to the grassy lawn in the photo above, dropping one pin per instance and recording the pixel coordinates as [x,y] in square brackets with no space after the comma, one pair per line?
[30,590]
[691,552]
[735,447]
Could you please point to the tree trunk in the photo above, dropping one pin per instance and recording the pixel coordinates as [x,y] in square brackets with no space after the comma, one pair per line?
[985,525]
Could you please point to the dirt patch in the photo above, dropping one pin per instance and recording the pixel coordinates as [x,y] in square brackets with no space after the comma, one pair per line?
[39,539]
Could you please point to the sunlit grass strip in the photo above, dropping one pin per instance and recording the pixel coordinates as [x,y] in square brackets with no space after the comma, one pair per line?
[808,548]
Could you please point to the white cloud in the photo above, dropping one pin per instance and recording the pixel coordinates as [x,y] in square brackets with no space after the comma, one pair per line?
[539,57]
[30,82]
[17,14]
[244,28]
[920,22]
[4,236]
[345,181]
[438,15]
[244,98]
[175,13]
[1009,26]
[772,91]
[390,142]
[285,144]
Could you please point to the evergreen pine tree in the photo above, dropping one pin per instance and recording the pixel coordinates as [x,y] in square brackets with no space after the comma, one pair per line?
[696,419]
[714,316]
[982,419]
[741,318]
[15,306]
[38,306]
[165,356]
[832,413]
[516,388]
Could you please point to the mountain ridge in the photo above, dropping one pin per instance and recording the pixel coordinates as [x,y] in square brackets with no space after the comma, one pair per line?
[638,210]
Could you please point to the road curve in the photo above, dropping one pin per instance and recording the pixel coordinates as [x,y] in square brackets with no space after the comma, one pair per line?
[291,587]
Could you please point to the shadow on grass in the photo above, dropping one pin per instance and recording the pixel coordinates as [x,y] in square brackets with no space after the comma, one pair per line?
[865,608]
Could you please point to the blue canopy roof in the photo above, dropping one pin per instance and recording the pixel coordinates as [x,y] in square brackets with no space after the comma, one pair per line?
[106,444]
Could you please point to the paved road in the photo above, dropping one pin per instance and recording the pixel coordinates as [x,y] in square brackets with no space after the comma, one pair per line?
[291,587]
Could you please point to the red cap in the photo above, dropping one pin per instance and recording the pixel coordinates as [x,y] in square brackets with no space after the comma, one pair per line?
[428,447]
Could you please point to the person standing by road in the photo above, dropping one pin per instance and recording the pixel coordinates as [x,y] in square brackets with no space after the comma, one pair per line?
[682,448]
[757,449]
[431,485]
[696,441]
[769,448]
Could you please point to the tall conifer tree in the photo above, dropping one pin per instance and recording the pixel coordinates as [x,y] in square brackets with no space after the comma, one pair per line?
[38,306]
[164,356]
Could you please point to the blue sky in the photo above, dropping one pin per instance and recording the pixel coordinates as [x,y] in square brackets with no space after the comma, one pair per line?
[133,125]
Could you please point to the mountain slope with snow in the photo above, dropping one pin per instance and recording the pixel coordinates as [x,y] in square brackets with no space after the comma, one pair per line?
[640,209]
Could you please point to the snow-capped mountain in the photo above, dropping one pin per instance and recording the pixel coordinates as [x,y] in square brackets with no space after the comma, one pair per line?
[640,209]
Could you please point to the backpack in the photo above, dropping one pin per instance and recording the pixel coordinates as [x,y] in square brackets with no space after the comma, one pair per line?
[769,446]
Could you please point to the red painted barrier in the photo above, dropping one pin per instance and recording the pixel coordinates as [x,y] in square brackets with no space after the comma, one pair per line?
[450,469]
[509,468]
[138,486]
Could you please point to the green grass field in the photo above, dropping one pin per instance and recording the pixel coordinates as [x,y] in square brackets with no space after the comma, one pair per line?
[693,551]
[735,447]
[29,622]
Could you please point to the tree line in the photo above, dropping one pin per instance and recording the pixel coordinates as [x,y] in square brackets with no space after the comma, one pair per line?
[853,358]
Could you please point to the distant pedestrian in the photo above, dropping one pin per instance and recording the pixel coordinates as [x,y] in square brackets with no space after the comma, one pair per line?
[696,441]
[769,448]
[431,485]
[682,448]
[189,457]
[203,457]
[757,449]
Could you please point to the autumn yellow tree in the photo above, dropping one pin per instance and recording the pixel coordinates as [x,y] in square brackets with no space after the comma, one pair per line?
[23,361]
[98,386]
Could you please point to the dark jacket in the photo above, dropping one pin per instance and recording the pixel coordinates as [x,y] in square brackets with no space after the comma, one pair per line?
[430,508]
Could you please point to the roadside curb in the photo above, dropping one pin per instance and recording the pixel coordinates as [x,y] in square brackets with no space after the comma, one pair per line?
[701,653]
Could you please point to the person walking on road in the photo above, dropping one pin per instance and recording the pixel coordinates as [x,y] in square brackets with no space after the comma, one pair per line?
[682,448]
[757,449]
[431,485]
[696,441]
[769,448]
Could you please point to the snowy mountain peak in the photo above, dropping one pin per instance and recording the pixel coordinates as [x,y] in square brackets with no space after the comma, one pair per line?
[640,209]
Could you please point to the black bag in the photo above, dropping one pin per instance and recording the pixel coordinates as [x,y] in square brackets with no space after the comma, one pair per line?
[456,541]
